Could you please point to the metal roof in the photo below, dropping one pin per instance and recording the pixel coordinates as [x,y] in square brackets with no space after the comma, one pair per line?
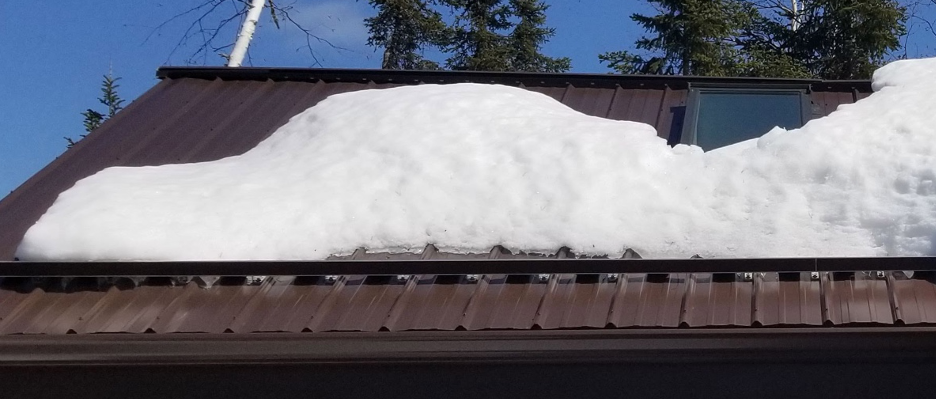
[381,301]
[203,114]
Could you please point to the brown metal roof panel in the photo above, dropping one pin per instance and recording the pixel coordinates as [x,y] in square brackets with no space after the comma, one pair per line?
[258,308]
[13,292]
[51,306]
[626,307]
[914,299]
[239,130]
[116,310]
[191,126]
[556,93]
[824,103]
[214,310]
[654,300]
[589,101]
[359,304]
[17,304]
[73,299]
[576,301]
[144,314]
[285,305]
[504,302]
[640,105]
[294,316]
[652,101]
[673,300]
[857,299]
[156,125]
[434,303]
[179,309]
[620,103]
[33,314]
[288,100]
[225,116]
[791,299]
[718,300]
[256,127]
[441,302]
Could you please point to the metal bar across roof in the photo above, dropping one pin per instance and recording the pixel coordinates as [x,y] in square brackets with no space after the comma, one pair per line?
[583,80]
[462,267]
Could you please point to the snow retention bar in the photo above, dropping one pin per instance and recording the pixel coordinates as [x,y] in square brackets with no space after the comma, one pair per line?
[507,78]
[461,267]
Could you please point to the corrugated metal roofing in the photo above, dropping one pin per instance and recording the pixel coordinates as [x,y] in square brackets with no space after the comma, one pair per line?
[448,303]
[188,118]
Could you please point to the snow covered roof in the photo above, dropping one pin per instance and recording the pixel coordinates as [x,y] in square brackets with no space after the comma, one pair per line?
[199,114]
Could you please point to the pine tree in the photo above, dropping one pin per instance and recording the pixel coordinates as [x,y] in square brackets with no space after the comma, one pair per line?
[839,39]
[501,35]
[404,28]
[692,37]
[829,39]
[760,55]
[110,99]
[528,37]
[477,43]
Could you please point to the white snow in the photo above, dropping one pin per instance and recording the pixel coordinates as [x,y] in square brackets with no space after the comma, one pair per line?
[467,167]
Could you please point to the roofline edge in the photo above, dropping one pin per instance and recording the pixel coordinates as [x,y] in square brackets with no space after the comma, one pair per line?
[536,79]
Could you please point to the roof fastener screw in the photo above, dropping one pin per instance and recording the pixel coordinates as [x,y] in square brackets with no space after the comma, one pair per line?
[879,274]
[613,277]
[542,277]
[180,280]
[747,276]
[814,276]
[472,278]
[331,278]
[255,279]
[403,278]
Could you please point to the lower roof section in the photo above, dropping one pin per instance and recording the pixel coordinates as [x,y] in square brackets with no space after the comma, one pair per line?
[496,291]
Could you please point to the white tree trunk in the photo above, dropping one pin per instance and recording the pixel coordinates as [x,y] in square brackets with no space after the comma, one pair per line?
[795,22]
[246,33]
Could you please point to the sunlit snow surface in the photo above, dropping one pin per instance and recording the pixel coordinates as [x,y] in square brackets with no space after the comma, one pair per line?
[467,167]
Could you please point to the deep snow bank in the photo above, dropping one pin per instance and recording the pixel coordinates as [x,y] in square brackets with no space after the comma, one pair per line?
[468,166]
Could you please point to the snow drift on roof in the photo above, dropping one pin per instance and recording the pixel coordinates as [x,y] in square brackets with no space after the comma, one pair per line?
[466,167]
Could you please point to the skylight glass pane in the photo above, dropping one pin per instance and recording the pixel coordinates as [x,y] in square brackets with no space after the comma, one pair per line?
[726,118]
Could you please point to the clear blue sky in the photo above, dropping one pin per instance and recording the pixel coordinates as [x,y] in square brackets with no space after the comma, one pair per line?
[54,53]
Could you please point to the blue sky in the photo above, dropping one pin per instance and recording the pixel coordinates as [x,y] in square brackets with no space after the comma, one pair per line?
[55,53]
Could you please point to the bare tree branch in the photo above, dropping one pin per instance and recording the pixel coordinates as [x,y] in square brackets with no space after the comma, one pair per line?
[212,24]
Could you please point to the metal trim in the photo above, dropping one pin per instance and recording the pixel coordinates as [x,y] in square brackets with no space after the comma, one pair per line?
[657,346]
[511,78]
[461,267]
